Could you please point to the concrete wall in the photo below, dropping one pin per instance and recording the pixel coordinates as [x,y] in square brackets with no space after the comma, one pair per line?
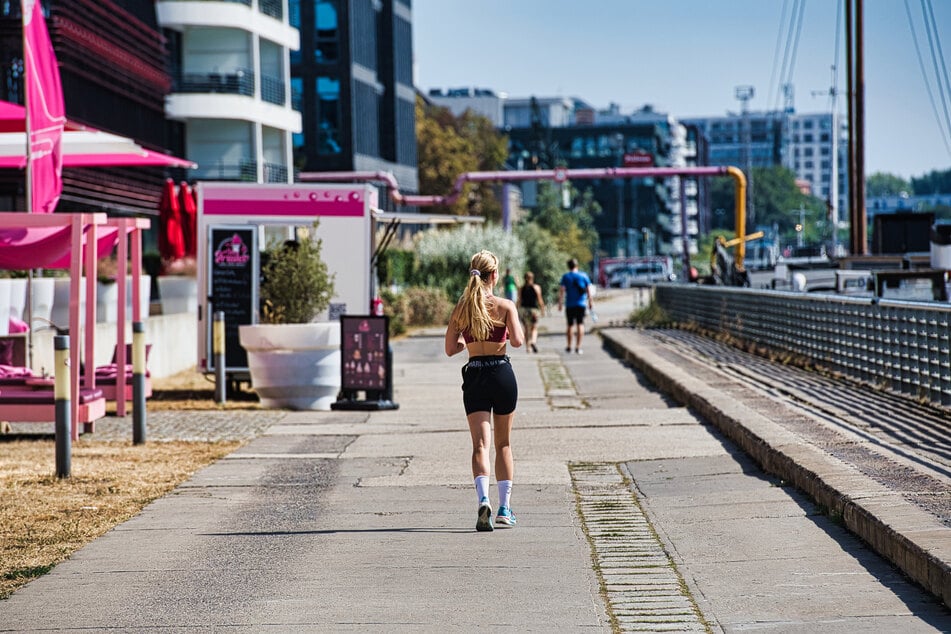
[174,339]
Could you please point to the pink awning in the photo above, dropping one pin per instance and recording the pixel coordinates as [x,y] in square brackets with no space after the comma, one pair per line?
[82,146]
[24,248]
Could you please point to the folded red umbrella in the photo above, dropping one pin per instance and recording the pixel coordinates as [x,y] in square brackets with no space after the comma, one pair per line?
[171,238]
[189,218]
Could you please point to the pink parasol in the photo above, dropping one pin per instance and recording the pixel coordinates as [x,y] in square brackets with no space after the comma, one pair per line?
[189,218]
[171,238]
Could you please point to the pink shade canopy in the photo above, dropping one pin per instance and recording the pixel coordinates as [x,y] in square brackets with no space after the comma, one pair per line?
[82,146]
[24,248]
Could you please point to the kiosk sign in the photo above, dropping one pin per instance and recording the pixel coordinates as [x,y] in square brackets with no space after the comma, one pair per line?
[364,352]
[366,367]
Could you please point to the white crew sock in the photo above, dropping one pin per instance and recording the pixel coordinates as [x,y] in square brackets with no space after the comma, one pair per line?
[505,492]
[482,487]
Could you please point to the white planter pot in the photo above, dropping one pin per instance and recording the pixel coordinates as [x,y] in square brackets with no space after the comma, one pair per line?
[178,294]
[5,287]
[44,292]
[294,366]
[60,313]
[17,298]
[107,299]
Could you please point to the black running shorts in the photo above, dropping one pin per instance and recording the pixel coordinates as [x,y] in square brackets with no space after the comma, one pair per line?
[575,314]
[488,385]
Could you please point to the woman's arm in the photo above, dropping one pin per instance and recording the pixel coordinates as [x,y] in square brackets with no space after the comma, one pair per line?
[541,300]
[454,341]
[514,326]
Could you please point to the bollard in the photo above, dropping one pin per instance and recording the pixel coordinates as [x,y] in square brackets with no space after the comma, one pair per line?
[138,383]
[218,350]
[64,438]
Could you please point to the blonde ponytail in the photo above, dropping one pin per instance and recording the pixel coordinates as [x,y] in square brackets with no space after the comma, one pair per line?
[472,311]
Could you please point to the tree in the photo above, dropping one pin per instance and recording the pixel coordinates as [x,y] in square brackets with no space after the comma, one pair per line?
[572,230]
[932,183]
[882,184]
[775,199]
[449,146]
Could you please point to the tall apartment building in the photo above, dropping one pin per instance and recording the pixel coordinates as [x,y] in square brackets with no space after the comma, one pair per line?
[353,82]
[801,142]
[230,65]
[112,62]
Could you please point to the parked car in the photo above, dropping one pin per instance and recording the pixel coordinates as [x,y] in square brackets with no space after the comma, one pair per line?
[628,275]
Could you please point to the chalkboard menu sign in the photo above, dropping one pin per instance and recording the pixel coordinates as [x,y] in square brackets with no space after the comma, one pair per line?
[364,344]
[233,287]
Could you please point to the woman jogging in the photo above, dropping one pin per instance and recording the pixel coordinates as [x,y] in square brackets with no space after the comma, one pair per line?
[481,324]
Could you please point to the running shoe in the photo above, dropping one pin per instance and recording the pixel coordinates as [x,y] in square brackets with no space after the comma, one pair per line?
[505,516]
[484,521]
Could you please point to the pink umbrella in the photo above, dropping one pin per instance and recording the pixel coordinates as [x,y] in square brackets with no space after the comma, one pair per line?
[171,238]
[189,218]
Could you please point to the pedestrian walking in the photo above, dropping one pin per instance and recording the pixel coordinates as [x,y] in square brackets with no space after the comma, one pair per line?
[575,293]
[509,285]
[531,306]
[482,324]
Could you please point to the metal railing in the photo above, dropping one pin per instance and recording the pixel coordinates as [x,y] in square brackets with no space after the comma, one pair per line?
[273,89]
[898,345]
[273,8]
[245,170]
[238,81]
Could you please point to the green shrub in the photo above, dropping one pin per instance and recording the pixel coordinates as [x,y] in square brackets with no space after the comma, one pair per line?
[543,259]
[651,316]
[296,283]
[443,256]
[414,307]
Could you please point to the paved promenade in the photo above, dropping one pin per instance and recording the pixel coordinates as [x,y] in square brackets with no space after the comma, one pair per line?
[634,515]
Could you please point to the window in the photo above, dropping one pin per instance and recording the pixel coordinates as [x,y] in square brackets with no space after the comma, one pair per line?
[297,93]
[328,116]
[577,147]
[325,31]
[293,16]
[807,138]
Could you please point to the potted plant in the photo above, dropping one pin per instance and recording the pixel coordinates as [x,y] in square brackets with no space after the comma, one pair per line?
[294,360]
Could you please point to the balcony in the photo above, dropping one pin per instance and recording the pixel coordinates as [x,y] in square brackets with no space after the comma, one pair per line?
[244,171]
[273,90]
[239,81]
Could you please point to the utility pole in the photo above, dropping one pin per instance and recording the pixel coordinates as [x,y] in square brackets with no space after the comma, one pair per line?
[855,59]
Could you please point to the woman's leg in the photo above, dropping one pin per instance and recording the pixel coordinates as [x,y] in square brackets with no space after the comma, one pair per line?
[481,431]
[504,463]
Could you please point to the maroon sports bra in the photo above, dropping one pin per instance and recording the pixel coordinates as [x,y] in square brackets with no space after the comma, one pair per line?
[499,334]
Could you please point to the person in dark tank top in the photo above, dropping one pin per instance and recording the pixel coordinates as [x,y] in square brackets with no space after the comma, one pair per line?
[531,306]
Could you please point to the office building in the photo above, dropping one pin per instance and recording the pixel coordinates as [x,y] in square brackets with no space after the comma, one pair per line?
[353,82]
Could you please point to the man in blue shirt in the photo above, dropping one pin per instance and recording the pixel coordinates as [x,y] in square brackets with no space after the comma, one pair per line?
[575,294]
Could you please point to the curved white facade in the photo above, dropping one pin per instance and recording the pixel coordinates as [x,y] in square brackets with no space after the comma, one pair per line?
[232,87]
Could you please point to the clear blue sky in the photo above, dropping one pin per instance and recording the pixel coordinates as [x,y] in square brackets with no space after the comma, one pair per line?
[685,57]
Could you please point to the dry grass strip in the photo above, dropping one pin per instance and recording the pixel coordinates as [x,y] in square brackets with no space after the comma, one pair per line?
[43,519]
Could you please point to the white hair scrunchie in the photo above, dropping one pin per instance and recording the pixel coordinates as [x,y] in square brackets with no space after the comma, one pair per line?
[475,273]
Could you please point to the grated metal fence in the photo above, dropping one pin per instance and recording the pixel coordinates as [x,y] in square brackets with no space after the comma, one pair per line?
[902,346]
